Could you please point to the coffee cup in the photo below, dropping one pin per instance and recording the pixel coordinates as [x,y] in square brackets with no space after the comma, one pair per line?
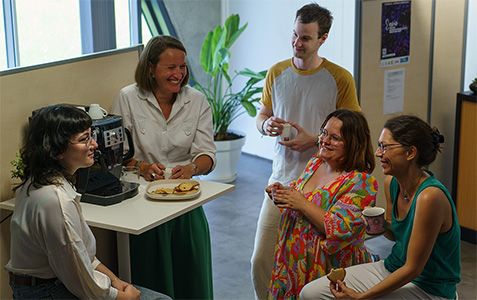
[167,173]
[96,112]
[286,132]
[374,218]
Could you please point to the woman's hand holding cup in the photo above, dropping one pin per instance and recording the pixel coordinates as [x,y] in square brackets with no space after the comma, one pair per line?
[271,189]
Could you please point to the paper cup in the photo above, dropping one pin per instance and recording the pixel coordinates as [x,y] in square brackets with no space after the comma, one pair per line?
[374,218]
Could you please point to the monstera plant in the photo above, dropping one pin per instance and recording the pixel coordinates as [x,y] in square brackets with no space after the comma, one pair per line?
[226,103]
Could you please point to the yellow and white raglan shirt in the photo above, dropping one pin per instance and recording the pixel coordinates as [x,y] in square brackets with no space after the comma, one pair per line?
[304,97]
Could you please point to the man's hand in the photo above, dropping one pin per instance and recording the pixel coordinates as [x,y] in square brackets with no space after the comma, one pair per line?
[273,126]
[302,141]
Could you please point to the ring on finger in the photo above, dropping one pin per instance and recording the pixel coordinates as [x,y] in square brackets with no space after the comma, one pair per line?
[153,175]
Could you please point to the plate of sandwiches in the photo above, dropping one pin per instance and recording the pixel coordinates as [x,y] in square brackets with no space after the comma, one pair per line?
[173,189]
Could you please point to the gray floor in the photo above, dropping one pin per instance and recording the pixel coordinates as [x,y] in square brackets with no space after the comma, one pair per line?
[233,220]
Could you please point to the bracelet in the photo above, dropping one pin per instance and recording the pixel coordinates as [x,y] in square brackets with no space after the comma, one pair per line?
[263,130]
[195,169]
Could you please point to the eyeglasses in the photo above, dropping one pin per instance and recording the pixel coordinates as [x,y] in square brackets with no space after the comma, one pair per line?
[87,140]
[384,147]
[334,138]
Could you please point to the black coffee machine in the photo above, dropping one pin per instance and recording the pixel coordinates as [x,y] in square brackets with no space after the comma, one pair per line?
[100,184]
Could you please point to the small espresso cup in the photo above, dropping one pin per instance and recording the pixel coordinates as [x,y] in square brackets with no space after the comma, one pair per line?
[167,173]
[286,132]
[374,218]
[96,112]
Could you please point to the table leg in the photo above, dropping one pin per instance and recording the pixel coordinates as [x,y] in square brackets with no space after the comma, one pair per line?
[124,261]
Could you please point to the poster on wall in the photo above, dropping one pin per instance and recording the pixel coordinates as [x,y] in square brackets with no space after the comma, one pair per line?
[395,32]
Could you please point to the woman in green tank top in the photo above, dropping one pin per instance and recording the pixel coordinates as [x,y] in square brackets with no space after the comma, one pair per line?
[425,260]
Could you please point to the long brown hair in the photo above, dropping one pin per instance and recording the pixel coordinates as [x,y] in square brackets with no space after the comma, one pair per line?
[150,57]
[357,140]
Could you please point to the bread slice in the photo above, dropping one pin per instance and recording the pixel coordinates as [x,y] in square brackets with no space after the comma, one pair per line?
[187,186]
[336,274]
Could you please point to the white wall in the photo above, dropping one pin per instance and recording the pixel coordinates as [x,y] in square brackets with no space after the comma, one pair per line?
[267,40]
[471,54]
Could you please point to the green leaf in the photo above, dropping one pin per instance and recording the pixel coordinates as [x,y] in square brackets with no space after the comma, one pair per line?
[227,105]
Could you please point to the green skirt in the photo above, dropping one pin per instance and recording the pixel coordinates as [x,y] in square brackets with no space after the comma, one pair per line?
[175,258]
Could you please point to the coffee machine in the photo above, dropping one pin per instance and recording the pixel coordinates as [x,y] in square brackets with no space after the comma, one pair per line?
[100,184]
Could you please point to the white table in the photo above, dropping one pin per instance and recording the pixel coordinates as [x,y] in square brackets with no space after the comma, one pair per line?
[139,214]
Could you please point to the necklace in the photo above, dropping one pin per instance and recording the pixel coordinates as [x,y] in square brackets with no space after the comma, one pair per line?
[406,195]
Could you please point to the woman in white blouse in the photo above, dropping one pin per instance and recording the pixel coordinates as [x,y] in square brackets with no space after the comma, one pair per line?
[171,125]
[52,248]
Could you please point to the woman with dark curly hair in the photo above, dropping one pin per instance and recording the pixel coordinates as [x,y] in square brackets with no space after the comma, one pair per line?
[52,254]
[425,260]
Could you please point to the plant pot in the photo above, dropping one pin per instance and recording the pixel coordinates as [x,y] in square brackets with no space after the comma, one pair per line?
[227,156]
[473,87]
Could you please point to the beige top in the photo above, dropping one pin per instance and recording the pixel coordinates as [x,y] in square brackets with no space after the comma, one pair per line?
[50,238]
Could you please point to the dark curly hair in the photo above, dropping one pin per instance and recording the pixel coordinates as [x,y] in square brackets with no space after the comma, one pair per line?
[47,136]
[410,130]
[357,140]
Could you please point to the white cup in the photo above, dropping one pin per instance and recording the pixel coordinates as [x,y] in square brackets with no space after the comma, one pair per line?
[167,173]
[96,112]
[286,132]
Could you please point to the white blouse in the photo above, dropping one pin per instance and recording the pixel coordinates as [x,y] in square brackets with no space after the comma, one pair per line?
[50,238]
[180,139]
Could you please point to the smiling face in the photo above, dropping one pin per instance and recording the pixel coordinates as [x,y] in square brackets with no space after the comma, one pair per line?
[170,71]
[393,157]
[80,152]
[332,145]
[305,40]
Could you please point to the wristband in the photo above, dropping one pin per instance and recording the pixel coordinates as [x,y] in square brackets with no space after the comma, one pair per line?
[263,130]
[317,143]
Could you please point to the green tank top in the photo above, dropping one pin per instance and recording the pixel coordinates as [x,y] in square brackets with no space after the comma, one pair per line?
[442,271]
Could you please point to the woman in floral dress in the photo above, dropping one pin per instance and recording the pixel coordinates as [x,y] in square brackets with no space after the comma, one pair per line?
[321,225]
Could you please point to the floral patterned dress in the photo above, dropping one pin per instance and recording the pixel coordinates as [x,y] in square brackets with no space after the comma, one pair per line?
[303,253]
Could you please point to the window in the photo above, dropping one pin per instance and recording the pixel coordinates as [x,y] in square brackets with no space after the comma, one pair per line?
[48,30]
[121,15]
[51,30]
[3,50]
[146,32]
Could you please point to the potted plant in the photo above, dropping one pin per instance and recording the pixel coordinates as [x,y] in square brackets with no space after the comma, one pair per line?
[473,86]
[227,104]
[17,171]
